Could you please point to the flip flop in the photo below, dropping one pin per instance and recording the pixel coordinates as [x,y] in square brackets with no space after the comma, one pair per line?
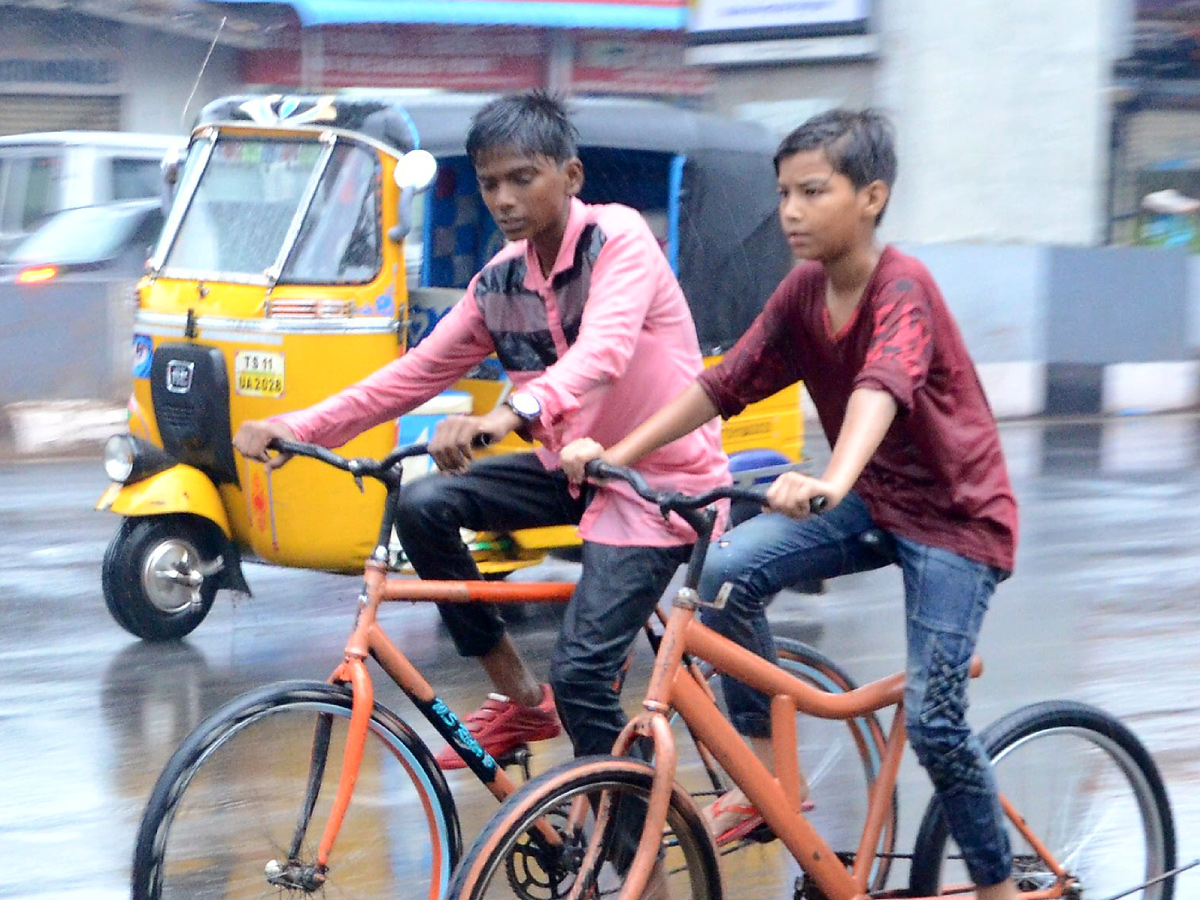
[751,820]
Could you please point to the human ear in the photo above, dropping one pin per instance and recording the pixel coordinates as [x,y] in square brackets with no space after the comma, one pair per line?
[573,169]
[875,196]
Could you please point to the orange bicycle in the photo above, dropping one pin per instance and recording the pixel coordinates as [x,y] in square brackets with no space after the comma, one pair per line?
[1086,808]
[309,787]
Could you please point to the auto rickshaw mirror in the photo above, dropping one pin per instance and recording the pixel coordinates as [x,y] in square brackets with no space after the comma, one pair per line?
[416,169]
[415,172]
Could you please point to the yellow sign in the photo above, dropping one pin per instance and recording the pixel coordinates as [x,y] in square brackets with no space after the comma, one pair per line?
[258,374]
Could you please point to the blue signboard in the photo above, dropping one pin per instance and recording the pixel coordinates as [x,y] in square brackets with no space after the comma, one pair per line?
[663,15]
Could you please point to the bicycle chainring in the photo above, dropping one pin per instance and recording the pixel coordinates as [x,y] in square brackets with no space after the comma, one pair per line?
[538,872]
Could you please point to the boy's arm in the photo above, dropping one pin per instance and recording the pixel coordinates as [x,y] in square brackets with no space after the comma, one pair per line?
[869,415]
[896,366]
[459,342]
[690,409]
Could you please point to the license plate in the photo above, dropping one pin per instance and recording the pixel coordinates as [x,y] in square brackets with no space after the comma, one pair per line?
[258,374]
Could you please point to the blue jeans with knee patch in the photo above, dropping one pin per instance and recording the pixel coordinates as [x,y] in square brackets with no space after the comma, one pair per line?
[946,596]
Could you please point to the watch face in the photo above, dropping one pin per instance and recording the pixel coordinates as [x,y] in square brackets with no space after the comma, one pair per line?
[525,406]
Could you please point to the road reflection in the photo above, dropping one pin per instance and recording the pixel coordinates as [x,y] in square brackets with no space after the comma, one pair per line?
[1101,609]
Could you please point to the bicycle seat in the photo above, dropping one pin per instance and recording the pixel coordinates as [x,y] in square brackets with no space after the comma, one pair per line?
[880,542]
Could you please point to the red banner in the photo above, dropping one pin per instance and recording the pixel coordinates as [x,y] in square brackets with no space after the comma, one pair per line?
[473,58]
[636,64]
[463,58]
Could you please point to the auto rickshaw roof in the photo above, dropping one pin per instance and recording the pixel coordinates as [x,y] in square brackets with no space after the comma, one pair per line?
[382,119]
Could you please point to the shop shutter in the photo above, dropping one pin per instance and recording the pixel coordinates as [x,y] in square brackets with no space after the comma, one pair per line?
[22,113]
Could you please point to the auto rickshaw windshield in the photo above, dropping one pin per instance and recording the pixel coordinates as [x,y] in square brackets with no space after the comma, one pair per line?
[306,210]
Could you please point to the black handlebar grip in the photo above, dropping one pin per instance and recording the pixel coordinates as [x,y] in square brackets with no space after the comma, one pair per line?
[817,505]
[598,468]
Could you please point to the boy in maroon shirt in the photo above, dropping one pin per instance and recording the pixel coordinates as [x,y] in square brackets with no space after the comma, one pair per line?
[916,457]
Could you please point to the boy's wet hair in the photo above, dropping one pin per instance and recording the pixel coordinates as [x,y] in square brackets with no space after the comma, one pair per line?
[531,124]
[859,145]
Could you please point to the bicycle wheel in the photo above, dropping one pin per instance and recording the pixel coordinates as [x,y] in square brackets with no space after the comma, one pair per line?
[511,859]
[231,804]
[1088,790]
[840,759]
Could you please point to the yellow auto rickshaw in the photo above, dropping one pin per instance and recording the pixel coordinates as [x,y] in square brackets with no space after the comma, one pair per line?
[312,239]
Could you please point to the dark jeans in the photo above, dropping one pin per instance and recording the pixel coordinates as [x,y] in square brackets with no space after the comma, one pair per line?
[617,591]
[946,596]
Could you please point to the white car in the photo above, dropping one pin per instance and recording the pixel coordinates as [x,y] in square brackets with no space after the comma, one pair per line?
[43,173]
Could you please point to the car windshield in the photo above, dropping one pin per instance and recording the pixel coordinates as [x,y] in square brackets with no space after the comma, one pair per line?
[241,214]
[84,235]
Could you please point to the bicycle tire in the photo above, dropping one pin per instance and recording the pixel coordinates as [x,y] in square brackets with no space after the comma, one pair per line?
[507,861]
[841,761]
[1041,753]
[229,800]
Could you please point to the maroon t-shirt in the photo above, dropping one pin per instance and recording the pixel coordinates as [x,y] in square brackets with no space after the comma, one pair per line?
[939,476]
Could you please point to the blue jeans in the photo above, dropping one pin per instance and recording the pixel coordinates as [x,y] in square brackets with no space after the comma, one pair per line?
[946,596]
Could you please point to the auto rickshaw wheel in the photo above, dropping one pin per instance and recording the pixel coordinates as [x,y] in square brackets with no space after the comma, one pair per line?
[158,575]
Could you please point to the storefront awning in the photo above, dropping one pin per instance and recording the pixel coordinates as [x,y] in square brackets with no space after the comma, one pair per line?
[659,15]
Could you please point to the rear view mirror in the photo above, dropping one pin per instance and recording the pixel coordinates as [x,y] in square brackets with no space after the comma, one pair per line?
[415,172]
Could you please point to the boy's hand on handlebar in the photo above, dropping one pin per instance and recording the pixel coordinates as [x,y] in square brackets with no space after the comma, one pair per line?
[456,436]
[253,437]
[792,494]
[576,455]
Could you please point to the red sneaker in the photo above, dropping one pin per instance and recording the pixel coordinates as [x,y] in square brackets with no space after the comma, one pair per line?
[729,820]
[500,725]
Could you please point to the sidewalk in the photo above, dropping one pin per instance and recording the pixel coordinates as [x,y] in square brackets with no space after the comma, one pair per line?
[58,428]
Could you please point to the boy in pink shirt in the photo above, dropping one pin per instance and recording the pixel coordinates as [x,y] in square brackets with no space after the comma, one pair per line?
[585,315]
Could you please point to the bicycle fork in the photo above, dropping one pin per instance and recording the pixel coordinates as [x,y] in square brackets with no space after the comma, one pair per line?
[295,874]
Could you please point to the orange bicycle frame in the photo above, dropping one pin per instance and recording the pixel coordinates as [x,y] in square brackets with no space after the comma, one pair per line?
[776,796]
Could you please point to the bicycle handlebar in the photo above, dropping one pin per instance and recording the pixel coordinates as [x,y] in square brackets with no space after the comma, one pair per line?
[667,501]
[597,469]
[360,467]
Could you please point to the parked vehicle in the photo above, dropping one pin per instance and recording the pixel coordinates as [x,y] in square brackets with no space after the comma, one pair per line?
[86,245]
[70,283]
[282,276]
[42,173]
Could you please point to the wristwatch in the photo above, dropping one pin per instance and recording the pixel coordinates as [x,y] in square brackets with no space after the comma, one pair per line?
[526,406]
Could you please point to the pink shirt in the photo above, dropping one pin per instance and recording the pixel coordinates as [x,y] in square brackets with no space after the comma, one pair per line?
[603,342]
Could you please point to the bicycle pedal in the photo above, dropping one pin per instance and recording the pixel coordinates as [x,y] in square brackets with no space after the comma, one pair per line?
[517,756]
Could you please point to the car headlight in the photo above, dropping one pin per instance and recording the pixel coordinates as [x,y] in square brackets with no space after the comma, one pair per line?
[128,459]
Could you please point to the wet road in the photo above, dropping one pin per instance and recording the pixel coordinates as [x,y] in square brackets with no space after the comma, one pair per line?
[1105,608]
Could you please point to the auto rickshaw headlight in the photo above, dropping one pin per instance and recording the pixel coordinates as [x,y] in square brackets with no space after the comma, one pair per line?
[118,457]
[128,459]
